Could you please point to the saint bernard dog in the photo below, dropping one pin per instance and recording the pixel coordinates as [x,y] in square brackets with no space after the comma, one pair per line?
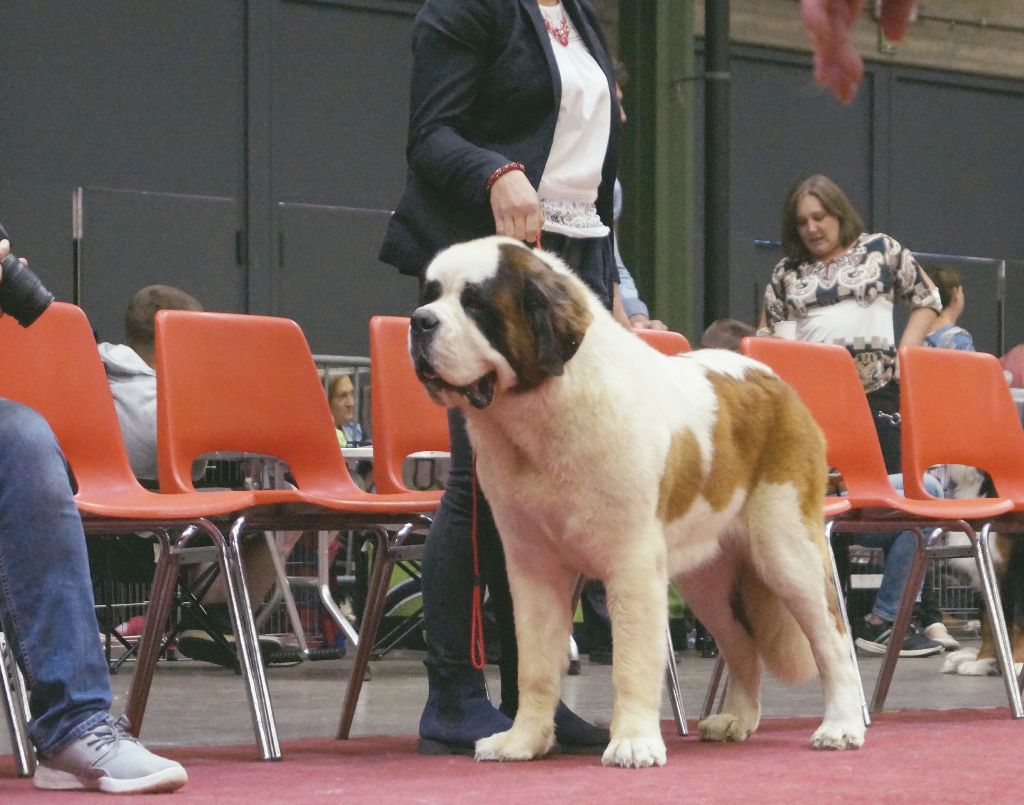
[601,456]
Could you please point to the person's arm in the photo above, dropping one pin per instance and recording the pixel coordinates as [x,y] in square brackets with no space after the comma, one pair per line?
[618,312]
[919,322]
[918,290]
[634,309]
[451,57]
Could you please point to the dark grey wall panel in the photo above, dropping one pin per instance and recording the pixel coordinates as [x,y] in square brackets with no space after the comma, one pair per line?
[340,104]
[957,170]
[329,279]
[134,95]
[132,239]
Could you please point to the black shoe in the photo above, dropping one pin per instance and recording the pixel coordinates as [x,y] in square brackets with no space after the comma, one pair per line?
[574,736]
[198,645]
[874,639]
[457,713]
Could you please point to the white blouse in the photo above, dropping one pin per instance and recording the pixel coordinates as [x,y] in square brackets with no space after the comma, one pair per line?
[568,188]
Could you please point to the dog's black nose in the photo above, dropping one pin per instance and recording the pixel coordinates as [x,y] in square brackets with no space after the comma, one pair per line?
[423,321]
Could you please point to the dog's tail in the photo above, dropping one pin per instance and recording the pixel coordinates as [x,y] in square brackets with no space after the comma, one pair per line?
[777,635]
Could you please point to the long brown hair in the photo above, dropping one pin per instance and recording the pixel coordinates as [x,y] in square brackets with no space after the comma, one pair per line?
[835,203]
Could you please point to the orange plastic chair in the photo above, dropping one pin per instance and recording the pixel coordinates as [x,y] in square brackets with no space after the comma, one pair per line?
[54,368]
[228,382]
[827,381]
[405,419]
[956,408]
[668,342]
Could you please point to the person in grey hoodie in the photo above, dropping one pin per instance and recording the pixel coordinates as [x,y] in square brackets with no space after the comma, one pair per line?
[132,376]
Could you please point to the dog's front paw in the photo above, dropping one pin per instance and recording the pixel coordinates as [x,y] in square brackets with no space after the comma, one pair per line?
[839,735]
[957,658]
[635,753]
[514,744]
[724,727]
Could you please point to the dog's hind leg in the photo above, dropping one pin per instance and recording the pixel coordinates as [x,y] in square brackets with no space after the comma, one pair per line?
[541,587]
[709,593]
[788,550]
[638,604]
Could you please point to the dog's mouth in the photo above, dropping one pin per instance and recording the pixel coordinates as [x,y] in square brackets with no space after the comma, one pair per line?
[479,393]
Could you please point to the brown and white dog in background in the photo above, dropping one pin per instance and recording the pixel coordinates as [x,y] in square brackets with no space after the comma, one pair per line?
[603,457]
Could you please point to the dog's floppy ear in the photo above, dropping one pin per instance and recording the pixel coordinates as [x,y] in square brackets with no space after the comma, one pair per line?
[557,318]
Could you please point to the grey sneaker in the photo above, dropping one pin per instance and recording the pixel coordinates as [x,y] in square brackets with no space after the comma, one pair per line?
[107,758]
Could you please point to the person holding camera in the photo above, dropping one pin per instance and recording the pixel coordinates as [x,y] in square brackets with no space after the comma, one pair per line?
[46,602]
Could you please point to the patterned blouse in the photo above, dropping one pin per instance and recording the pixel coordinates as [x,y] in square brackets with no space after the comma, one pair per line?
[849,301]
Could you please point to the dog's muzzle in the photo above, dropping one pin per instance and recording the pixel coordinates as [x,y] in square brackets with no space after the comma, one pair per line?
[423,328]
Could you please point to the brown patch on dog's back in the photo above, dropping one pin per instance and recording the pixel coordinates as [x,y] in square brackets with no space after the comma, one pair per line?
[763,432]
[682,478]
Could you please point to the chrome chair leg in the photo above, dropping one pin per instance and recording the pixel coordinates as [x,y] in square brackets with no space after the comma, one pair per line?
[285,591]
[990,590]
[246,640]
[15,704]
[165,577]
[716,680]
[389,550]
[672,679]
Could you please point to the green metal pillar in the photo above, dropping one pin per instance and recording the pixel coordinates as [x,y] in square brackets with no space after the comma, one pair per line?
[657,225]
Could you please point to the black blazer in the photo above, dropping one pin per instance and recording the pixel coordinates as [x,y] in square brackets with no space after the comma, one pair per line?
[485,92]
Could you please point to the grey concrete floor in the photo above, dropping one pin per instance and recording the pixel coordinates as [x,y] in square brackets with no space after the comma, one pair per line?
[198,704]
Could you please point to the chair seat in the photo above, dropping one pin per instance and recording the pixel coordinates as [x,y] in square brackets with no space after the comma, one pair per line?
[139,503]
[835,506]
[355,503]
[899,507]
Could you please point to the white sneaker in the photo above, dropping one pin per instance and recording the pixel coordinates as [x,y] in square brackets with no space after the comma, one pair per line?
[940,634]
[107,758]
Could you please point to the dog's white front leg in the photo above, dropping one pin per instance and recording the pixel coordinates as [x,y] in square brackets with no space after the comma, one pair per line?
[638,603]
[541,588]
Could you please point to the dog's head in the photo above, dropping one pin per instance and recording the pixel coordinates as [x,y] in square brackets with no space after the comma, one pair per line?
[496,316]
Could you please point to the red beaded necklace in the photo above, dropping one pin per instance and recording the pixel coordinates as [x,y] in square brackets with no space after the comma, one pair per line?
[561,36]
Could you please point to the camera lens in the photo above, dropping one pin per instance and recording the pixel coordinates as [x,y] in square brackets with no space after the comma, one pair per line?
[22,294]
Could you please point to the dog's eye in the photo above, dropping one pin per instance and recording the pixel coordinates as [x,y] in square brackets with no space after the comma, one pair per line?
[431,292]
[471,299]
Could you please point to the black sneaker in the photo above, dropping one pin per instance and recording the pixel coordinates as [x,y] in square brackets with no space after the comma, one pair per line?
[875,640]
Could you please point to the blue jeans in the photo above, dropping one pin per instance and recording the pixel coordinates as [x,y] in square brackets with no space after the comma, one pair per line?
[899,556]
[46,602]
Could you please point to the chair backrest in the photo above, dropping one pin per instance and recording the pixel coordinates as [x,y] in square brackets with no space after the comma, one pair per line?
[668,342]
[54,367]
[826,379]
[240,383]
[405,419]
[956,408]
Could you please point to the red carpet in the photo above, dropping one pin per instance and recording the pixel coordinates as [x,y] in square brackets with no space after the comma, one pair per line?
[931,755]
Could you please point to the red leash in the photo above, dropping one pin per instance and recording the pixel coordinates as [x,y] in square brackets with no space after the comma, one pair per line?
[477,650]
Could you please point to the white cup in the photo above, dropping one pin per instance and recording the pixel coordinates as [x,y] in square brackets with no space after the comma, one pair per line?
[785,329]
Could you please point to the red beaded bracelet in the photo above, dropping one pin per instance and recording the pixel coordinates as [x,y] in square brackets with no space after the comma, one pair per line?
[511,166]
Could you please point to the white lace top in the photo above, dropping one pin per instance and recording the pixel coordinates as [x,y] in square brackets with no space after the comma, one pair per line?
[568,188]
